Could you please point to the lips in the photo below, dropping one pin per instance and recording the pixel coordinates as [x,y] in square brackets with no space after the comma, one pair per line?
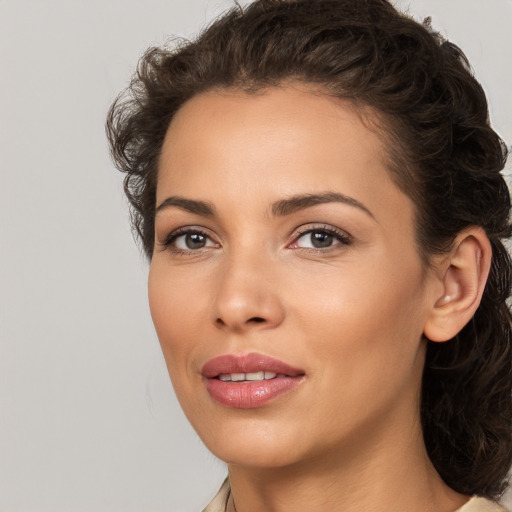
[250,363]
[249,381]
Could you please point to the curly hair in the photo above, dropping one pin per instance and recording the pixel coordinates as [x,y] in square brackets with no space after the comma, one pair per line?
[442,153]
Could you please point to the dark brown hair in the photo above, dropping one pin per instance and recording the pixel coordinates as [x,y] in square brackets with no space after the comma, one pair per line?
[443,154]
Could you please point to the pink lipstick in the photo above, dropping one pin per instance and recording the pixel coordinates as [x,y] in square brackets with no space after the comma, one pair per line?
[249,381]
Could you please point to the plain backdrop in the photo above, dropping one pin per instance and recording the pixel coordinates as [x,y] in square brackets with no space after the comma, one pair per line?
[88,420]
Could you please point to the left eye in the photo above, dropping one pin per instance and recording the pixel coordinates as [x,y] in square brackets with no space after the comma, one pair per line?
[320,239]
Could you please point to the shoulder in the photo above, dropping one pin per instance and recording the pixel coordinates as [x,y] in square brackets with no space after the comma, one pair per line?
[477,504]
[218,504]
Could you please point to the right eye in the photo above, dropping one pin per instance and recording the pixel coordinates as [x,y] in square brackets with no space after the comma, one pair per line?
[186,240]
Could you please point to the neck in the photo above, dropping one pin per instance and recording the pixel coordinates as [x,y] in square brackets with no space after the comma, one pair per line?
[387,474]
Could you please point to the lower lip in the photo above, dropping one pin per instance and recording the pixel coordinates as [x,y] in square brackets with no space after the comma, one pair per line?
[250,394]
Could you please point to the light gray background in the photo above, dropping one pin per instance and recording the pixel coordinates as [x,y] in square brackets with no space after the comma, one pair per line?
[88,421]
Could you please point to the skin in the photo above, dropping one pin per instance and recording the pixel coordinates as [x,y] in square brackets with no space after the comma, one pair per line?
[351,314]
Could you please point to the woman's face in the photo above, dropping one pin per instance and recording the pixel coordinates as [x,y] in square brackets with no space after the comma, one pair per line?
[285,286]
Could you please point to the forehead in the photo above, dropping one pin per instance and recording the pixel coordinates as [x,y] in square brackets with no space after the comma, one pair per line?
[274,143]
[283,120]
[297,109]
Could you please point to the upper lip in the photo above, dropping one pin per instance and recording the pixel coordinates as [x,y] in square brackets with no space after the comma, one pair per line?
[249,363]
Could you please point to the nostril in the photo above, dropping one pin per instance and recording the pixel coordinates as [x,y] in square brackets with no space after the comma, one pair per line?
[253,320]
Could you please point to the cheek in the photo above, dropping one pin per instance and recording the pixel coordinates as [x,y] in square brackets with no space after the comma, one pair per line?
[174,313]
[365,351]
[366,323]
[174,306]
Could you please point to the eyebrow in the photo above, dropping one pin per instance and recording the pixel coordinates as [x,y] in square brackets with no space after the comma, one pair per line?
[301,202]
[280,208]
[189,205]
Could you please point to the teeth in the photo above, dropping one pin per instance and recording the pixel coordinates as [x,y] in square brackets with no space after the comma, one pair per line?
[255,376]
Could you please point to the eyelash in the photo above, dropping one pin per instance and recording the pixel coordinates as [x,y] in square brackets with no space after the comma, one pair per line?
[341,236]
[172,237]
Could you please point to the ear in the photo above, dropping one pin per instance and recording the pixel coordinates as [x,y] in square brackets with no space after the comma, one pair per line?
[463,274]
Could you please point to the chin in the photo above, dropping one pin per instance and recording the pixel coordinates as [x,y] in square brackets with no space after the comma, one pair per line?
[253,444]
[257,457]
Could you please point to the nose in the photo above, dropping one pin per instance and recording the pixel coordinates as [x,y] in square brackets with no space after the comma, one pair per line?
[247,295]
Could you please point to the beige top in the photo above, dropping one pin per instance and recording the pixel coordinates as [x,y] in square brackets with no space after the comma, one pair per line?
[475,504]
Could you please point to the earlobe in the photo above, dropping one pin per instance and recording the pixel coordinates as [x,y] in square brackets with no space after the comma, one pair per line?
[463,274]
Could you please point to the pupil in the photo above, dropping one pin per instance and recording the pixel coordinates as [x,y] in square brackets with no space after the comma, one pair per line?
[320,239]
[195,241]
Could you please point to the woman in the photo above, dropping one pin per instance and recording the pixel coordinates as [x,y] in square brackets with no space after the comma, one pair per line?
[318,190]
